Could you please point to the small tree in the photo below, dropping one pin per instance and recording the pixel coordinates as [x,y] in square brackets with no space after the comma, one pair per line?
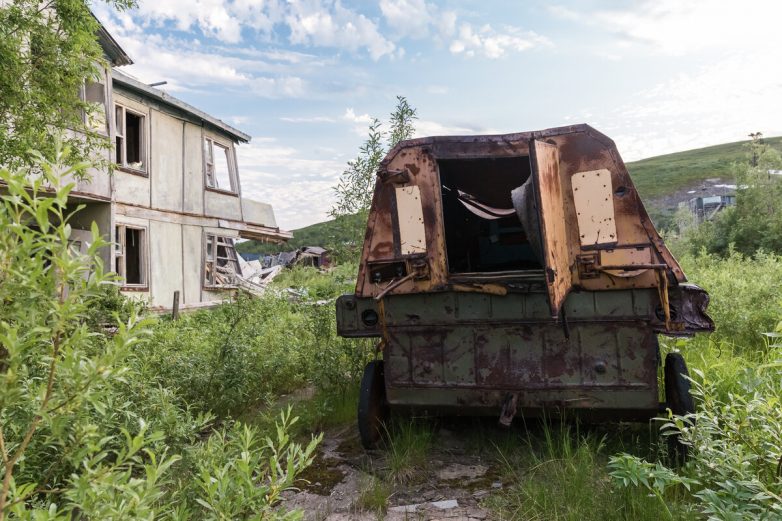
[356,184]
[47,51]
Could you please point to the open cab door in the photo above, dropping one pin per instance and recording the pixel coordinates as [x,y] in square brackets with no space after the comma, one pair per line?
[539,205]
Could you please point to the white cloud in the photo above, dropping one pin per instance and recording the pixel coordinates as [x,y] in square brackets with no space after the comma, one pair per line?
[425,128]
[320,23]
[494,44]
[299,189]
[350,115]
[420,19]
[675,27]
[332,25]
[716,103]
[308,119]
[213,17]
[409,17]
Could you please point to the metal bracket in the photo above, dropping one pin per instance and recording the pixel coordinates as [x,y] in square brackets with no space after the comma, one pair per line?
[508,410]
[588,265]
[397,177]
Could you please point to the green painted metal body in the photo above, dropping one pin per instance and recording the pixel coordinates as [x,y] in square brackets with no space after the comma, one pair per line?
[466,352]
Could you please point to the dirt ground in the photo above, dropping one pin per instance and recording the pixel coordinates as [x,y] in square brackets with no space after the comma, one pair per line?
[448,485]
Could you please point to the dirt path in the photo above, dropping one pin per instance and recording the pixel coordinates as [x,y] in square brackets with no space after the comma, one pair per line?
[347,483]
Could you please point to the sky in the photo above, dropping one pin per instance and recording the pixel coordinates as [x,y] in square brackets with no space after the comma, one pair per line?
[304,78]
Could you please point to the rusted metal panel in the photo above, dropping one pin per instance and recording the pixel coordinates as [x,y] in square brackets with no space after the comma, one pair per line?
[553,306]
[554,237]
[594,201]
[412,233]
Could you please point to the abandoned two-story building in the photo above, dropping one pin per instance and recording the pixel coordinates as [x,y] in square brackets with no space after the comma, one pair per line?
[173,206]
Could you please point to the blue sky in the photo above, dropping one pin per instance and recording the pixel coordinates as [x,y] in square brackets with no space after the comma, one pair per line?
[305,77]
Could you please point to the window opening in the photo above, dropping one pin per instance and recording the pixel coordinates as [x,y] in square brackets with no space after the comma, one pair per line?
[482,230]
[221,265]
[94,93]
[129,255]
[218,166]
[129,138]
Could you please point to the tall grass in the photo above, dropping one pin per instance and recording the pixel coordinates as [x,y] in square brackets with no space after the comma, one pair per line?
[735,438]
[557,471]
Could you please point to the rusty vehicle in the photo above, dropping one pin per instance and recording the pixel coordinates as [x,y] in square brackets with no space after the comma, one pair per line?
[516,273]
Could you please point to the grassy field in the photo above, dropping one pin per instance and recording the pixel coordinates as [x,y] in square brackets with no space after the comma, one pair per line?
[663,175]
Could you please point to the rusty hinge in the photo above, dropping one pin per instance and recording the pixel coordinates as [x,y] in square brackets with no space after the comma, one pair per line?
[393,176]
[587,266]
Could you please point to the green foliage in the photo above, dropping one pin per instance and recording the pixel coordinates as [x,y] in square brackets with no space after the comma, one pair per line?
[736,434]
[558,471]
[373,495]
[240,473]
[238,356]
[734,439]
[47,51]
[329,234]
[56,373]
[746,295]
[755,223]
[356,184]
[408,443]
[88,429]
[660,176]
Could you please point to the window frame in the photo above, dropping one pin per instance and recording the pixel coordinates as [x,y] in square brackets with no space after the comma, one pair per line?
[214,239]
[120,131]
[85,116]
[208,156]
[120,256]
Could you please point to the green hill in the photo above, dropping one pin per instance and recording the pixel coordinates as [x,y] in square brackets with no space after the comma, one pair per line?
[662,181]
[326,234]
[662,176]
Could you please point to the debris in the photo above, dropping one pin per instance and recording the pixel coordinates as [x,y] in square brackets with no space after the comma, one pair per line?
[462,472]
[445,505]
[440,505]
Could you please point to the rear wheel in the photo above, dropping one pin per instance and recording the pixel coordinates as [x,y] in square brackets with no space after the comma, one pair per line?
[372,405]
[679,401]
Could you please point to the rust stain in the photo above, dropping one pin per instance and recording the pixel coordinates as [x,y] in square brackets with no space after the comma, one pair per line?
[480,318]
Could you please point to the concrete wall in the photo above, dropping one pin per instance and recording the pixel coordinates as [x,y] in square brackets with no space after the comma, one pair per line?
[166,262]
[226,206]
[255,212]
[167,155]
[193,171]
[172,202]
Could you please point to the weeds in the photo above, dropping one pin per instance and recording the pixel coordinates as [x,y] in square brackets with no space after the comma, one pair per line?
[409,442]
[557,471]
[373,496]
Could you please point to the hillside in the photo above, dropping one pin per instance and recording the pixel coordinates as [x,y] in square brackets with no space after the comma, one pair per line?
[326,234]
[662,176]
[662,181]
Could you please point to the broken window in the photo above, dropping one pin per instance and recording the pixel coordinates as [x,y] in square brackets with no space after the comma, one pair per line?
[482,230]
[130,255]
[94,93]
[129,139]
[221,265]
[219,166]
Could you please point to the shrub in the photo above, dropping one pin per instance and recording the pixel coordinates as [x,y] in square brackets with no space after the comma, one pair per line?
[746,294]
[95,426]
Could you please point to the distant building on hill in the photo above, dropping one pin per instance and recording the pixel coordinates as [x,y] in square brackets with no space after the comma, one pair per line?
[705,208]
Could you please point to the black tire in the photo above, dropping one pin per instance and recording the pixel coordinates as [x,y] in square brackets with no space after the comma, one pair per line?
[372,405]
[679,400]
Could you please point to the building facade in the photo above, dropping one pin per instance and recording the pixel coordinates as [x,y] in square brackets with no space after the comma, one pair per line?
[173,206]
